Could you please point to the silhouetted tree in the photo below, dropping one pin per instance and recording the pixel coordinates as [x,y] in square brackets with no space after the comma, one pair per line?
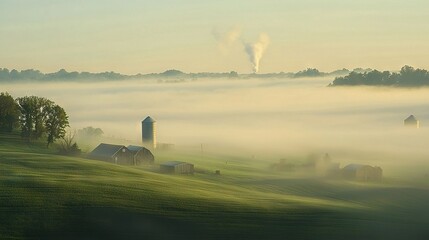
[14,74]
[33,116]
[4,74]
[55,123]
[309,72]
[68,146]
[408,76]
[9,112]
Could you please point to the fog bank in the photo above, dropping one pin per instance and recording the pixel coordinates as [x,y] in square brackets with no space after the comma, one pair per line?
[257,115]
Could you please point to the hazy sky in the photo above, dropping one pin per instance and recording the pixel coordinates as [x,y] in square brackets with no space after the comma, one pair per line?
[152,36]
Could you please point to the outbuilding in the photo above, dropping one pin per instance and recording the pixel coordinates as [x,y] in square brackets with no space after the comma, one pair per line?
[177,167]
[412,121]
[117,154]
[362,172]
[141,154]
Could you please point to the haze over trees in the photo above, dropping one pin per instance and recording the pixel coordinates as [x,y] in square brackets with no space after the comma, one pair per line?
[310,72]
[34,116]
[14,75]
[407,77]
[90,132]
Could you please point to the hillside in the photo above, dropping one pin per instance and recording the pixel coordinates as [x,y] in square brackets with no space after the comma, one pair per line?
[43,195]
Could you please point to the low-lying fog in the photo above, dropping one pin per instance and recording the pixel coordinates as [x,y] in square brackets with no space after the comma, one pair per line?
[251,115]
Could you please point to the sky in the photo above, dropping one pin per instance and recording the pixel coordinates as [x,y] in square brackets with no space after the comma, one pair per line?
[152,36]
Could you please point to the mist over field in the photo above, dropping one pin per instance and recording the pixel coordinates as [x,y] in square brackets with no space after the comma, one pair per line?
[274,117]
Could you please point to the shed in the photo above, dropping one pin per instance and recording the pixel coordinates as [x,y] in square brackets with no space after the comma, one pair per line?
[177,167]
[362,172]
[117,154]
[141,154]
[412,121]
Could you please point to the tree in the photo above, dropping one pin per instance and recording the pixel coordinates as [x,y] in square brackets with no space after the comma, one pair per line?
[55,123]
[90,132]
[68,146]
[33,116]
[9,112]
[407,77]
[26,105]
[40,116]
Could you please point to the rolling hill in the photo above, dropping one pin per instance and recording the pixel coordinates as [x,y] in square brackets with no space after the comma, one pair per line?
[48,196]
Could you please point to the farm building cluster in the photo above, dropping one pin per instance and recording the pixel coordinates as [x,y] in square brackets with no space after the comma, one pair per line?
[325,167]
[119,154]
[137,155]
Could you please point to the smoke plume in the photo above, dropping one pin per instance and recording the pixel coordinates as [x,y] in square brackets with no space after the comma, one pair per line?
[255,51]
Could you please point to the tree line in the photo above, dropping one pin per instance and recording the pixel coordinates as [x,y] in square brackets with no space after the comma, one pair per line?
[32,74]
[407,77]
[7,75]
[35,117]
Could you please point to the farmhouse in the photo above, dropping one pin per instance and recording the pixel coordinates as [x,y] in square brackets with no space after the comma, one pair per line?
[142,155]
[411,121]
[177,167]
[117,154]
[362,172]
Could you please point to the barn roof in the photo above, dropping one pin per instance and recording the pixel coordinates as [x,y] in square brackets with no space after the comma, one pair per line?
[411,118]
[148,119]
[353,167]
[173,163]
[134,148]
[106,150]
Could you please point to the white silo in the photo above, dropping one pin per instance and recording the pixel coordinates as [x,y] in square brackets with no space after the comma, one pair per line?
[149,132]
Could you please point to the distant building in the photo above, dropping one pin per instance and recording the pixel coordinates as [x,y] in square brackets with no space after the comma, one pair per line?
[149,132]
[117,154]
[177,167]
[412,121]
[142,155]
[362,172]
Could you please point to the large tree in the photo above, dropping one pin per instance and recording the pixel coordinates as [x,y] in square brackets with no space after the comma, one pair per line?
[55,123]
[33,116]
[9,112]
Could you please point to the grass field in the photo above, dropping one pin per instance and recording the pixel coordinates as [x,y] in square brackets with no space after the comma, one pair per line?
[47,196]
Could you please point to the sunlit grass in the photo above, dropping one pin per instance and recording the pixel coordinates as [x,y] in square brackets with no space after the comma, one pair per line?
[42,190]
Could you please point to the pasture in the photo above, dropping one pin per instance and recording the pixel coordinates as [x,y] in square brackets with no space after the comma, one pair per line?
[44,195]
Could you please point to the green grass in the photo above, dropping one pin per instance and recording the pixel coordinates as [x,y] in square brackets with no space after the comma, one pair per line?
[43,195]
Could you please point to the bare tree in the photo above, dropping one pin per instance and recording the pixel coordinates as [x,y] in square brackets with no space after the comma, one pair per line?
[68,145]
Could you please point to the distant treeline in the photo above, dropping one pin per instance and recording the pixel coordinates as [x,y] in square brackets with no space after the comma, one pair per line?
[31,74]
[407,77]
[7,75]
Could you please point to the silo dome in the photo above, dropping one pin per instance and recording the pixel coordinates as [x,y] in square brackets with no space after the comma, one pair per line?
[148,119]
